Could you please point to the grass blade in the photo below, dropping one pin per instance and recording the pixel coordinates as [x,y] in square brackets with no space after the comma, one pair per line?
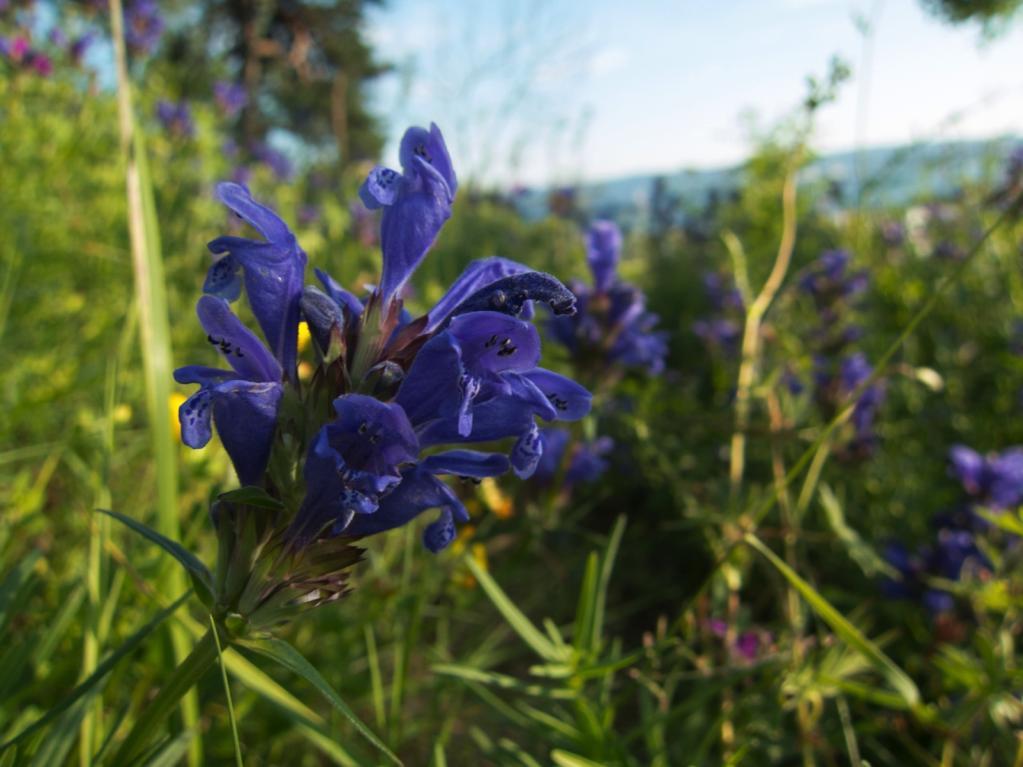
[154,335]
[283,653]
[227,694]
[101,671]
[896,677]
[197,570]
[530,634]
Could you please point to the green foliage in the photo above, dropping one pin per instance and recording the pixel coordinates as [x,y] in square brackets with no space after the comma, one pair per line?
[556,633]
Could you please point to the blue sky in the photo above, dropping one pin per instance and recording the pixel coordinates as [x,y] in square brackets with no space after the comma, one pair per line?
[544,92]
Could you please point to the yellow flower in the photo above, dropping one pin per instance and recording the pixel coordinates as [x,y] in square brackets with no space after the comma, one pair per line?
[496,500]
[176,400]
[303,336]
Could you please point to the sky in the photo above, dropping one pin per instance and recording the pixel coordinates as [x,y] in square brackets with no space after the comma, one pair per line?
[539,93]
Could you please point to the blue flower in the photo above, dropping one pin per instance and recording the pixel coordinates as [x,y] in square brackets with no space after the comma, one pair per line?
[466,375]
[587,461]
[995,481]
[176,117]
[243,402]
[416,204]
[230,97]
[407,392]
[612,323]
[143,25]
[273,271]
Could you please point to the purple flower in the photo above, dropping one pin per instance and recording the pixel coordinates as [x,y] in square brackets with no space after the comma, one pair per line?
[42,64]
[465,372]
[587,461]
[275,160]
[415,202]
[603,252]
[612,323]
[242,402]
[995,481]
[231,97]
[273,272]
[80,46]
[143,26]
[176,117]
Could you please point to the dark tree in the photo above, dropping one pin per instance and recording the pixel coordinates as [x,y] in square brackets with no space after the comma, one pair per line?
[989,13]
[304,65]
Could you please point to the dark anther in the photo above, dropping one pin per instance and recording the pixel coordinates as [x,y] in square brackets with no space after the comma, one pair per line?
[558,402]
[363,427]
[491,342]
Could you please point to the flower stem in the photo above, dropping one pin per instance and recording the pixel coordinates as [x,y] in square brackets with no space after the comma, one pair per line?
[186,675]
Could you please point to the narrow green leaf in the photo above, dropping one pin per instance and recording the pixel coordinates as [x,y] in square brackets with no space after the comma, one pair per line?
[251,496]
[896,677]
[101,671]
[283,653]
[58,742]
[606,568]
[14,582]
[503,681]
[582,637]
[861,552]
[1009,521]
[227,695]
[567,759]
[530,634]
[171,753]
[196,569]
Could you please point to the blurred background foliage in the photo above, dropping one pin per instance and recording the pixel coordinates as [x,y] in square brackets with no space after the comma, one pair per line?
[679,647]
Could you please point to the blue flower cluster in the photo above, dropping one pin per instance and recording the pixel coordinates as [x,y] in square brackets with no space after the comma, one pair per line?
[176,118]
[722,329]
[612,324]
[387,387]
[839,371]
[143,26]
[993,482]
[586,461]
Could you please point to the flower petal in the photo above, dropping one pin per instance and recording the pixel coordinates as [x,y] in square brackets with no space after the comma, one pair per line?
[408,229]
[236,343]
[466,463]
[418,491]
[273,283]
[381,187]
[239,199]
[477,274]
[194,416]
[224,279]
[434,386]
[423,151]
[372,436]
[492,342]
[570,399]
[603,251]
[527,451]
[322,314]
[439,534]
[509,295]
[345,299]
[245,413]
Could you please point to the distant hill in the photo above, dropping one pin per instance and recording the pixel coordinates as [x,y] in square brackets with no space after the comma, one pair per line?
[888,175]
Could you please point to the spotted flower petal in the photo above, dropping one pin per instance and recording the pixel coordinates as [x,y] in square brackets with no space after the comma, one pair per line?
[238,345]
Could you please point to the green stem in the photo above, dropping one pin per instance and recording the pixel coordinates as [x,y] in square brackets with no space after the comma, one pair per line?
[186,675]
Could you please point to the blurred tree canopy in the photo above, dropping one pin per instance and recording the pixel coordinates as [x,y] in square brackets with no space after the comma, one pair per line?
[989,13]
[304,67]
